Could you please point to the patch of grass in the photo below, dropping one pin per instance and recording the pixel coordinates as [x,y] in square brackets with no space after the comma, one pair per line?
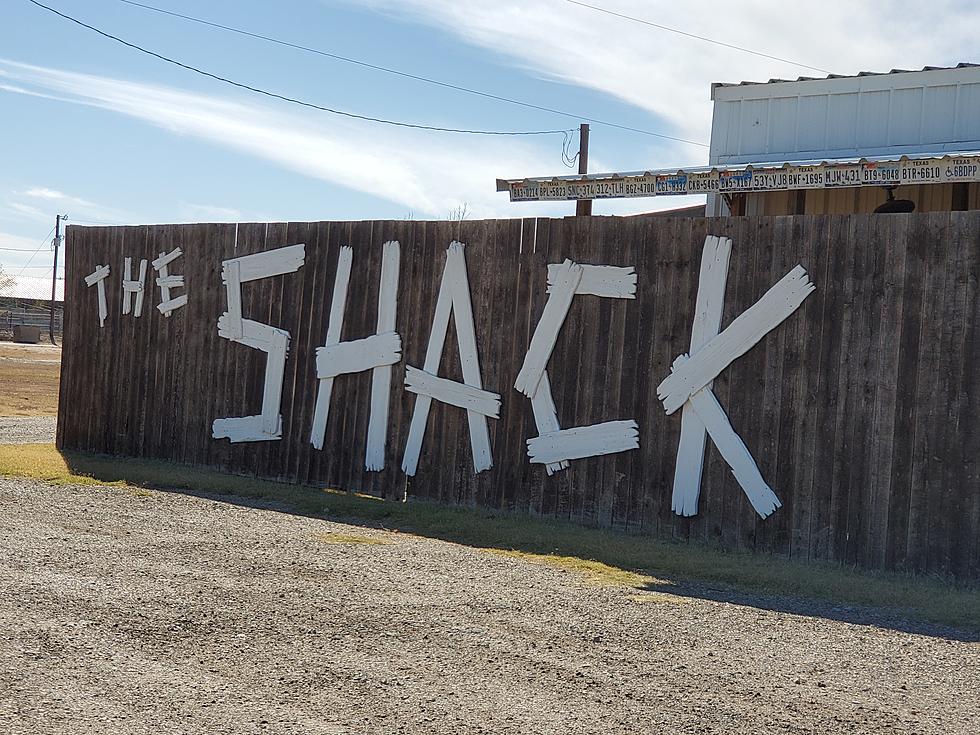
[607,555]
[348,538]
[44,462]
[30,378]
[593,571]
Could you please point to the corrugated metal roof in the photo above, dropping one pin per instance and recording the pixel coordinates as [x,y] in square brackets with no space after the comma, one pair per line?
[962,65]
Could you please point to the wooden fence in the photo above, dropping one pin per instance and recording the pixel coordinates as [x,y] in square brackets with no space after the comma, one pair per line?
[860,409]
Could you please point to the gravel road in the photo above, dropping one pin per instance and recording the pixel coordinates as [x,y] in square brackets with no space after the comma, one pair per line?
[27,430]
[127,611]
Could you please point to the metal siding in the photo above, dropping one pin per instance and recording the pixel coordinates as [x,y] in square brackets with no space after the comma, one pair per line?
[733,141]
[812,131]
[842,121]
[930,111]
[720,125]
[872,122]
[906,116]
[753,123]
[782,124]
[968,112]
[942,126]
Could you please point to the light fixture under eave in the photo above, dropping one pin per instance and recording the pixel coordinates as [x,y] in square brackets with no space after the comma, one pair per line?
[894,206]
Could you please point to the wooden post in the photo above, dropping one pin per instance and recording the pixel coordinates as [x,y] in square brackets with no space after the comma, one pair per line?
[54,274]
[583,207]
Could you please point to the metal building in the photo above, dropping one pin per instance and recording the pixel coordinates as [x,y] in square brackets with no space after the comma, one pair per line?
[878,118]
[900,140]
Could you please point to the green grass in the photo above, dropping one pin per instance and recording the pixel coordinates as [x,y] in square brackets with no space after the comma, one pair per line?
[605,557]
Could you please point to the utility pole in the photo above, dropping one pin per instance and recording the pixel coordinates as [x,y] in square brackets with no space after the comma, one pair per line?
[583,207]
[54,273]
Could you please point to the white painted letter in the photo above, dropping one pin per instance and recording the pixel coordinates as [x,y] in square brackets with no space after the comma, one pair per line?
[376,353]
[131,287]
[274,342]
[689,383]
[454,298]
[554,447]
[168,305]
[97,278]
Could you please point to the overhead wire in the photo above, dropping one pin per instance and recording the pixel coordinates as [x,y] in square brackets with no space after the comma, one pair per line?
[41,278]
[706,39]
[76,221]
[282,97]
[286,98]
[44,241]
[566,157]
[397,72]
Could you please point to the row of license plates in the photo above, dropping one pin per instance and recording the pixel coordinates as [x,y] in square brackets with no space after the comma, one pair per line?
[918,171]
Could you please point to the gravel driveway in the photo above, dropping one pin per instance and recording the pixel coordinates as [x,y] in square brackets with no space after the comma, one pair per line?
[27,430]
[127,611]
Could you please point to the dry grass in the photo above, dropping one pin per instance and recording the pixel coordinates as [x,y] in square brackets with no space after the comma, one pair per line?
[29,379]
[602,556]
[592,571]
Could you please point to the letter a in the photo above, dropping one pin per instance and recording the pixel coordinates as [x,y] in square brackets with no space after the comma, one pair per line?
[454,298]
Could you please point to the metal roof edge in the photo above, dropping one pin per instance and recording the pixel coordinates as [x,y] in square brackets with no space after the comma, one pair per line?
[505,184]
[749,83]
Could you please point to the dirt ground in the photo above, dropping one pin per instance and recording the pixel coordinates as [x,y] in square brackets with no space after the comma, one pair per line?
[131,611]
[28,429]
[29,378]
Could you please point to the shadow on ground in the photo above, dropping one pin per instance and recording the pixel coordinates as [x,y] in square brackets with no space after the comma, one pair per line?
[911,604]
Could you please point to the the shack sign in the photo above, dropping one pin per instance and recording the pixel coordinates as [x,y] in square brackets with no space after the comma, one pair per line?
[686,390]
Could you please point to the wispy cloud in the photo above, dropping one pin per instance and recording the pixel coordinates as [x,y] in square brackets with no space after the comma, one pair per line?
[209,212]
[670,75]
[427,175]
[26,210]
[28,203]
[41,193]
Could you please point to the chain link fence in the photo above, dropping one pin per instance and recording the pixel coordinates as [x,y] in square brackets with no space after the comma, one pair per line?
[25,301]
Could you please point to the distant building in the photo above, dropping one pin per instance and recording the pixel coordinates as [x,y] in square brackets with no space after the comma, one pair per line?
[914,131]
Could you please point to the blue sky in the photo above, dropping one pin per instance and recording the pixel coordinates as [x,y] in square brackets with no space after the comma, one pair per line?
[103,133]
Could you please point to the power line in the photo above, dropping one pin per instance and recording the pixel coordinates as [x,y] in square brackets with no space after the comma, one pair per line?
[39,247]
[696,36]
[39,278]
[18,250]
[284,98]
[396,72]
[75,220]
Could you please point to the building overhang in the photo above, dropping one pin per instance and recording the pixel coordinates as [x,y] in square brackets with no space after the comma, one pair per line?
[835,173]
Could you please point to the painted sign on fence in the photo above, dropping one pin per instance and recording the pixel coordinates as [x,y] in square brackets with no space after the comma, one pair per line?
[572,367]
